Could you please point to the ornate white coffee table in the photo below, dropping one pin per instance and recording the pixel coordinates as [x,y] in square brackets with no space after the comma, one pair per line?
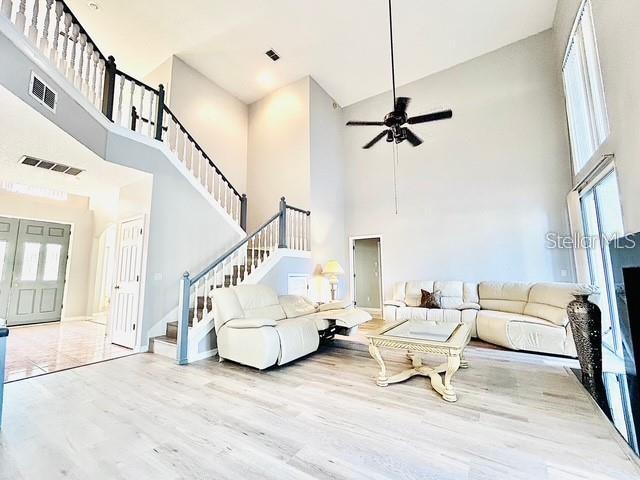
[403,336]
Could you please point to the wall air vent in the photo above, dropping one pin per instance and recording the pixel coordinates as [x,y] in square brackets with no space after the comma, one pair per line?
[41,92]
[272,55]
[51,166]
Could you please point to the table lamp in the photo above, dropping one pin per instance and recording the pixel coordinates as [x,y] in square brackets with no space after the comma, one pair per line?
[331,270]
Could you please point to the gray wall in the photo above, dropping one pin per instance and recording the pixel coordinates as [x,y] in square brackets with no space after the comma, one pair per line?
[278,277]
[477,199]
[617,27]
[327,185]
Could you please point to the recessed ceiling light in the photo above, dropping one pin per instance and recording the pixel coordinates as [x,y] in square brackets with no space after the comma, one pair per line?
[94,6]
[266,79]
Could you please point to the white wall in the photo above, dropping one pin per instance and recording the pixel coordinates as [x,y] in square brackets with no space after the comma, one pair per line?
[327,183]
[617,27]
[477,198]
[74,211]
[217,120]
[278,154]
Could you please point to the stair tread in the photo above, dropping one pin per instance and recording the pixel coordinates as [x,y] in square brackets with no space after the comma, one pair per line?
[165,339]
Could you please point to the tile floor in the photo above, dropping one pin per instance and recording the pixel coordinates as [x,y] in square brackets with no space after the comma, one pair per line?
[38,349]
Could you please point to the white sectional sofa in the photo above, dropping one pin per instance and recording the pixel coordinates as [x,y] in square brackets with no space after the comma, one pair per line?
[519,316]
[255,327]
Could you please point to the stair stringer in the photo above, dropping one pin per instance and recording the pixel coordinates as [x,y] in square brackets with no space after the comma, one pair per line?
[206,326]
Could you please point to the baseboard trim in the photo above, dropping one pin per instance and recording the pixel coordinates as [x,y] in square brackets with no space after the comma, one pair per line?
[202,355]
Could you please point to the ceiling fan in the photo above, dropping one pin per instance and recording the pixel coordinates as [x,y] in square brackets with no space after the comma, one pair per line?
[396,119]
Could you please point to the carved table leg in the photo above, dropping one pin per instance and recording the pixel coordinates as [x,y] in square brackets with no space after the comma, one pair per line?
[382,380]
[463,363]
[453,364]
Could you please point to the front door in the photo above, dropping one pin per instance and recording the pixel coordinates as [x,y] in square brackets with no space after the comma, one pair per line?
[125,307]
[8,239]
[39,270]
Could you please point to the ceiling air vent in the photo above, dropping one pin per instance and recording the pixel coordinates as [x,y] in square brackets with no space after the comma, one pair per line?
[54,167]
[272,55]
[41,92]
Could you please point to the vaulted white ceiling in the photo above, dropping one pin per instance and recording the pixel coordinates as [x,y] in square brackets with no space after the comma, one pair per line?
[342,44]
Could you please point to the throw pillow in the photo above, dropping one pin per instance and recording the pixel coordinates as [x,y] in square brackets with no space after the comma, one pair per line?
[430,300]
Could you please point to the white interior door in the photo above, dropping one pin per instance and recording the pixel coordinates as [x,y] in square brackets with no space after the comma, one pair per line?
[8,239]
[39,272]
[126,297]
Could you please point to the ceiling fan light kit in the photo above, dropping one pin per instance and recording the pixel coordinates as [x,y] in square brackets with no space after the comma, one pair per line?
[396,120]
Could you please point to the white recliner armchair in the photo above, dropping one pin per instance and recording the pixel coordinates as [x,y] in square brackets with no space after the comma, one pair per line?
[255,327]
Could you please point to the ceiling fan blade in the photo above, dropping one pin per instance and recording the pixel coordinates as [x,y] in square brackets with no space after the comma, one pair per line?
[376,139]
[412,137]
[430,117]
[401,104]
[358,123]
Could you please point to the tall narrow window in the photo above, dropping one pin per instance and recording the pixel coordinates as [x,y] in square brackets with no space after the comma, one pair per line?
[584,91]
[51,262]
[602,218]
[30,260]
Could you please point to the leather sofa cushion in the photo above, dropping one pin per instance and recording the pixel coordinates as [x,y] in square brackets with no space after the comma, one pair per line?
[298,337]
[320,320]
[297,305]
[432,314]
[522,332]
[399,291]
[226,306]
[453,293]
[549,301]
[250,323]
[413,292]
[335,305]
[259,301]
[504,296]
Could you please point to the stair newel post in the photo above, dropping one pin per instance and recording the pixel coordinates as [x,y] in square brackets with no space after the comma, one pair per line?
[243,212]
[108,91]
[282,233]
[160,113]
[183,320]
[134,118]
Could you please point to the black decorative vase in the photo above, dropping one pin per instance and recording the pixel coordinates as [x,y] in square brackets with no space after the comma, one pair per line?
[585,318]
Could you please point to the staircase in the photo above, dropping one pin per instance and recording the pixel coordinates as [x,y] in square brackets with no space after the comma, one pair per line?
[54,31]
[55,36]
[288,229]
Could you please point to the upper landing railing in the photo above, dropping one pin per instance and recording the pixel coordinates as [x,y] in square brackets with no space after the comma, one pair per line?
[53,28]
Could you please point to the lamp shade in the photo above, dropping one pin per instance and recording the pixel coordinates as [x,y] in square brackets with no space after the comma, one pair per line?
[332,268]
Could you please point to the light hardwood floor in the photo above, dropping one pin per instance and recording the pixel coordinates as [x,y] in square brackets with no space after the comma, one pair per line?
[518,416]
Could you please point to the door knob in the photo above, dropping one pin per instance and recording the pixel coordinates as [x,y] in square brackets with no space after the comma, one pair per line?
[117,287]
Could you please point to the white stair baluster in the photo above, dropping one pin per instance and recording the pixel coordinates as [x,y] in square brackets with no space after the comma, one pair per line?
[153,104]
[99,83]
[119,112]
[21,18]
[80,72]
[71,68]
[87,72]
[44,40]
[33,27]
[132,92]
[139,123]
[62,60]
[53,53]
[6,8]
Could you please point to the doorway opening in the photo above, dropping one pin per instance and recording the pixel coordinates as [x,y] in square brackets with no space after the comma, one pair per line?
[366,268]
